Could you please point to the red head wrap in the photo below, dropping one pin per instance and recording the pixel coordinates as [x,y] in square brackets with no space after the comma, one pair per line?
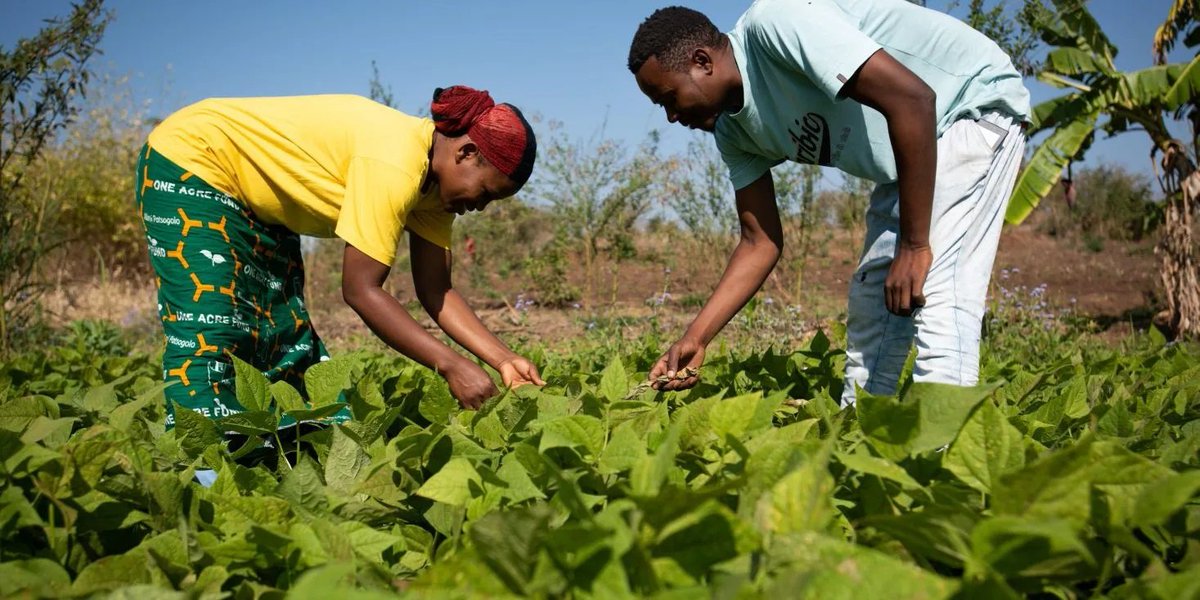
[500,131]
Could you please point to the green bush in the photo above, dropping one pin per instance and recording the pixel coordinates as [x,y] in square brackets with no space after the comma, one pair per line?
[547,272]
[1111,202]
[87,176]
[42,80]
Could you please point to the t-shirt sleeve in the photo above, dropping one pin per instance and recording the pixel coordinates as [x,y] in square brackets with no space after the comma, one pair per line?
[816,37]
[434,225]
[744,167]
[379,198]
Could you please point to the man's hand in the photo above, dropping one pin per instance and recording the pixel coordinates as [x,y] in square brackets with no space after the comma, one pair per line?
[469,384]
[519,371]
[904,288]
[684,353]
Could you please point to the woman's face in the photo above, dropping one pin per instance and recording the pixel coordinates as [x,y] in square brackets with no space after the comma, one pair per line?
[470,183]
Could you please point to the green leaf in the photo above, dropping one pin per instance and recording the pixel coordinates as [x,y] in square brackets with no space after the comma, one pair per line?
[446,519]
[452,484]
[462,446]
[938,533]
[1074,62]
[105,516]
[240,513]
[649,473]
[815,566]
[1046,165]
[334,580]
[194,431]
[737,417]
[1145,89]
[286,397]
[508,542]
[1186,88]
[16,511]
[144,591]
[625,448]
[519,486]
[250,423]
[703,538]
[1022,548]
[437,405]
[879,467]
[302,486]
[314,548]
[614,383]
[316,414]
[250,385]
[1072,25]
[1163,498]
[987,447]
[51,433]
[122,417]
[345,461]
[166,490]
[695,426]
[112,572]
[928,418]
[367,541]
[103,399]
[326,380]
[574,431]
[801,500]
[210,580]
[1178,585]
[1061,484]
[18,413]
[37,577]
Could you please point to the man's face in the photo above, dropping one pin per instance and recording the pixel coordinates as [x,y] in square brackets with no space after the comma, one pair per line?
[687,96]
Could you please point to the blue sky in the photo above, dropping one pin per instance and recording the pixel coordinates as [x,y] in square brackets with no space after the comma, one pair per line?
[562,60]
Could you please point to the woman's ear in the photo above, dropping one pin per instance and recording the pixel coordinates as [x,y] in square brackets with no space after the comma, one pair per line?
[468,150]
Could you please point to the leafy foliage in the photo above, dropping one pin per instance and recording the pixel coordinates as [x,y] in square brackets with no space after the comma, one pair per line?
[1074,476]
[1081,62]
[41,81]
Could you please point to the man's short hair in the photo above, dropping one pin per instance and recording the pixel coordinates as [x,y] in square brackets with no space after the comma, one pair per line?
[671,34]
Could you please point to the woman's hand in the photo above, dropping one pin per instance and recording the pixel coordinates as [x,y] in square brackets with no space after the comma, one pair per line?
[518,371]
[469,384]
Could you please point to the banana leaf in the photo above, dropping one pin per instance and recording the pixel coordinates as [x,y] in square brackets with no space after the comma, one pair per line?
[1045,167]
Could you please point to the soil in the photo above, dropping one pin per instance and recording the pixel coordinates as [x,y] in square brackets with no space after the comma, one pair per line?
[1115,286]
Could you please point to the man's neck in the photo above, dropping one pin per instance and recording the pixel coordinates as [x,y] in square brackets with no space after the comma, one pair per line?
[734,96]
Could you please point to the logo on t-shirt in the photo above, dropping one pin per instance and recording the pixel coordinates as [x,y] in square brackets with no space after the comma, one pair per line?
[812,139]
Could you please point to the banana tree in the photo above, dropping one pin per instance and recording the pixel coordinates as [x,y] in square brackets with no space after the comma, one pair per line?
[1100,98]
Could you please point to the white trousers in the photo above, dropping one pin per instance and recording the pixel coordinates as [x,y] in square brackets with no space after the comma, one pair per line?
[977,168]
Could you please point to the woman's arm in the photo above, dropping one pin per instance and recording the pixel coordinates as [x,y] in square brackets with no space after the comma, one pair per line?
[362,289]
[431,277]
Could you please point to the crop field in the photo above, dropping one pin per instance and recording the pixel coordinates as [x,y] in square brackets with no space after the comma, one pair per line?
[1071,472]
[1074,477]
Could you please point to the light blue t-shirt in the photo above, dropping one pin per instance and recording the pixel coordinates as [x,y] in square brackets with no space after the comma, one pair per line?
[795,55]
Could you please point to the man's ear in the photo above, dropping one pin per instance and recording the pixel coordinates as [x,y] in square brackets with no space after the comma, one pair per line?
[466,151]
[703,60]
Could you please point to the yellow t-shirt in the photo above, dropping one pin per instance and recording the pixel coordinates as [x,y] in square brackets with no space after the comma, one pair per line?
[325,166]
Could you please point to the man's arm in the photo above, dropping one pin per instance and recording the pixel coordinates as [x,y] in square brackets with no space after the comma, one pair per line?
[757,251]
[909,105]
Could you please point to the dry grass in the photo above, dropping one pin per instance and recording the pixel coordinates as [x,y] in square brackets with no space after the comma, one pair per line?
[1110,286]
